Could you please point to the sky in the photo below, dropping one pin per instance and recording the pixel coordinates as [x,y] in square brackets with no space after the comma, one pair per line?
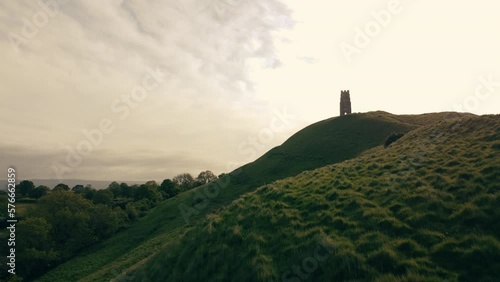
[140,90]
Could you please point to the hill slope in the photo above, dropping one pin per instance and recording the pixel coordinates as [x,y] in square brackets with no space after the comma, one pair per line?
[425,209]
[320,144]
[331,141]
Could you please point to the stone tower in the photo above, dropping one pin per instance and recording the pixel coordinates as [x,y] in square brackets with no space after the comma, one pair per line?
[345,103]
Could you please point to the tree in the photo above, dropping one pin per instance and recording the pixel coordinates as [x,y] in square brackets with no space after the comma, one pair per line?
[205,177]
[115,188]
[78,188]
[37,253]
[127,191]
[39,192]
[35,233]
[168,188]
[61,186]
[3,212]
[152,184]
[148,192]
[103,220]
[25,187]
[131,212]
[133,190]
[184,180]
[88,192]
[68,214]
[104,197]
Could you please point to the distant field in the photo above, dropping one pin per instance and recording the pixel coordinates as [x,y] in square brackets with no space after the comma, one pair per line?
[22,208]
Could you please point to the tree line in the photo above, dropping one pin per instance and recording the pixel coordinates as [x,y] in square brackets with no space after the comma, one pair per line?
[66,220]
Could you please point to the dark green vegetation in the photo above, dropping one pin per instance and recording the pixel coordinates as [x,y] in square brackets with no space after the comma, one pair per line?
[327,142]
[63,222]
[56,225]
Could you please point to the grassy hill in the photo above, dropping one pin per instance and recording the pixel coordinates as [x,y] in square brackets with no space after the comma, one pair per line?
[331,141]
[327,142]
[424,209]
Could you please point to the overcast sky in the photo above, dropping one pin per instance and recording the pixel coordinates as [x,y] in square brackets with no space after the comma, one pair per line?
[139,90]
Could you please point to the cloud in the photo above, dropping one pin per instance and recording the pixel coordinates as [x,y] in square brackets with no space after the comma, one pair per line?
[88,54]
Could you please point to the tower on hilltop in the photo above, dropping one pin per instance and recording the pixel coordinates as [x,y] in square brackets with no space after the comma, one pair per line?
[345,103]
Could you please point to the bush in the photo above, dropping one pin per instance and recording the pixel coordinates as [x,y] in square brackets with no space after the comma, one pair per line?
[393,138]
[131,212]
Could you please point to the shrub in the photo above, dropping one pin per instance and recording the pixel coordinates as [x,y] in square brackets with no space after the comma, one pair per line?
[393,138]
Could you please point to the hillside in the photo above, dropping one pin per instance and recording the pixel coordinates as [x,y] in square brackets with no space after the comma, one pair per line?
[327,142]
[331,141]
[424,209]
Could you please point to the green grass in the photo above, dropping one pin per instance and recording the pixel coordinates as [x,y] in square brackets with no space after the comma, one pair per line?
[327,142]
[425,209]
